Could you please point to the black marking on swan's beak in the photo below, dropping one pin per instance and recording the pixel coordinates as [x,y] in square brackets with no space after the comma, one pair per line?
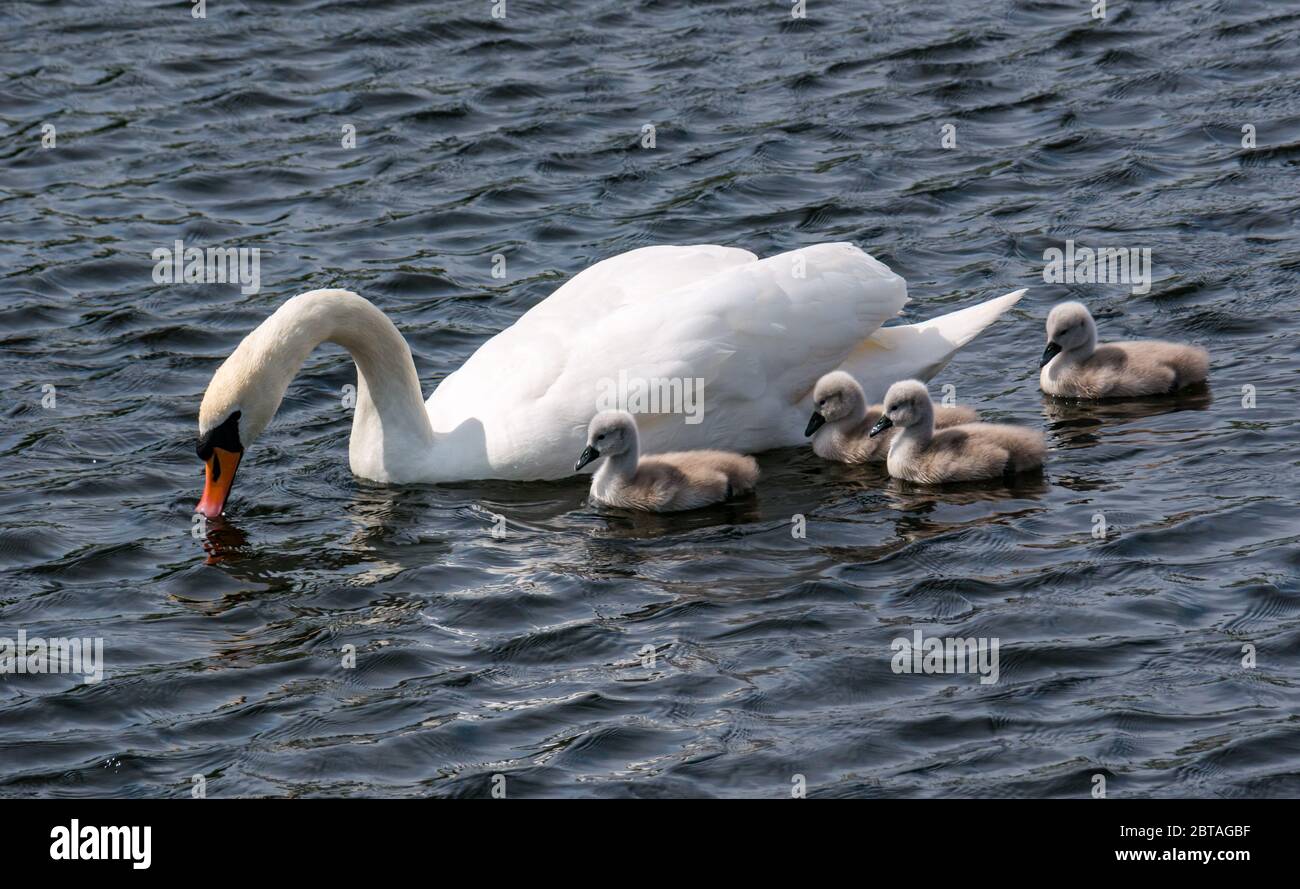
[815,422]
[1049,353]
[220,477]
[881,425]
[588,454]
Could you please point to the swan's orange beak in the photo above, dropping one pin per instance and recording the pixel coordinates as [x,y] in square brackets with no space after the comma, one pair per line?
[221,468]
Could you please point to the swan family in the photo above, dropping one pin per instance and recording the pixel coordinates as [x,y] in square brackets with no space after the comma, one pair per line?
[765,343]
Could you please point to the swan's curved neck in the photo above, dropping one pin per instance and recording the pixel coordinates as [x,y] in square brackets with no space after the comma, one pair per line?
[392,439]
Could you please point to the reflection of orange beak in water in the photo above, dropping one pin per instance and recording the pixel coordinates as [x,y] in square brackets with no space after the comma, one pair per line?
[221,468]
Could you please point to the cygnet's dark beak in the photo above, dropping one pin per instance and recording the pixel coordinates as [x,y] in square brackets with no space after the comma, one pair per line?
[1049,353]
[815,422]
[588,454]
[881,425]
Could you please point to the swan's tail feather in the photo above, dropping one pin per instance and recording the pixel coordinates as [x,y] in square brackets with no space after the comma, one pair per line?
[919,351]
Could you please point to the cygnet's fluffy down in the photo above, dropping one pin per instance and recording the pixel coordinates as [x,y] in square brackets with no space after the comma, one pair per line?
[1075,366]
[663,482]
[968,452]
[841,423]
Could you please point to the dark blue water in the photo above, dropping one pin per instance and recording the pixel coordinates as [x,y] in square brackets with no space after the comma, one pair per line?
[523,656]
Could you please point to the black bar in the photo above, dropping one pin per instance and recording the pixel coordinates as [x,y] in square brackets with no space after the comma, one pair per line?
[330,837]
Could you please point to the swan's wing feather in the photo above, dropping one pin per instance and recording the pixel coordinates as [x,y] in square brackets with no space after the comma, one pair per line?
[919,351]
[524,360]
[636,276]
[752,340]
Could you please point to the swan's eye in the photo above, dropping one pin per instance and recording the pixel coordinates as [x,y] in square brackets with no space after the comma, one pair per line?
[600,437]
[822,403]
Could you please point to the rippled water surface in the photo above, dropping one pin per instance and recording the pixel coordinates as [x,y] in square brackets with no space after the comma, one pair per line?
[523,655]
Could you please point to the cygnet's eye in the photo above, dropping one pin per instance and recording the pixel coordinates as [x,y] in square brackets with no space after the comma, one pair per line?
[600,437]
[822,403]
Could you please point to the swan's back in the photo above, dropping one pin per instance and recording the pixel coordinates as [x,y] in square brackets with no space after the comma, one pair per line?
[969,452]
[1127,369]
[739,470]
[756,334]
[686,480]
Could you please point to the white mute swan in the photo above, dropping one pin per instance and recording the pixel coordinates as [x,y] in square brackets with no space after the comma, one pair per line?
[663,482]
[1074,366]
[751,336]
